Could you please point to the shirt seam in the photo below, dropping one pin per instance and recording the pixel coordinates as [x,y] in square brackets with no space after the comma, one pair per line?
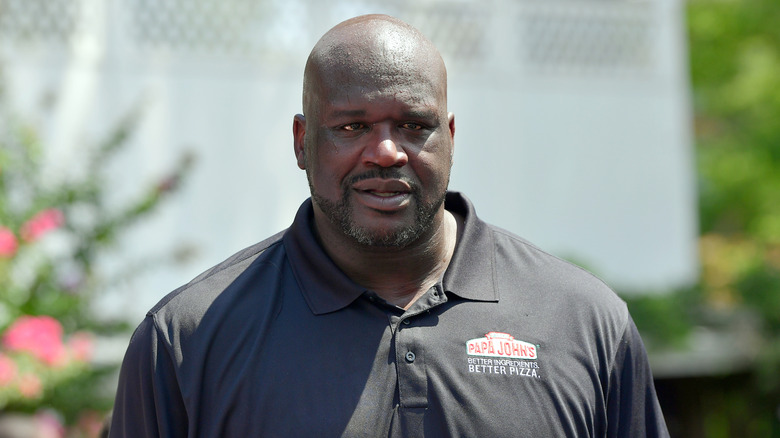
[613,354]
[159,333]
[536,248]
[206,275]
[198,279]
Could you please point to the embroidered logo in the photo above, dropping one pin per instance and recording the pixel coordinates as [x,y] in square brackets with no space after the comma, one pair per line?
[497,344]
[501,353]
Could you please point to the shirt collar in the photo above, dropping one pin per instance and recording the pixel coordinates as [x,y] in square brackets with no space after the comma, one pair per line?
[471,273]
[326,288]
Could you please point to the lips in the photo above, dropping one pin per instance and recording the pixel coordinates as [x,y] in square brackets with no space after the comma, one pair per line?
[383,195]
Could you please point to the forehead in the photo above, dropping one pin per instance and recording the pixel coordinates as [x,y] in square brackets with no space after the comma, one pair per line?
[378,79]
[406,86]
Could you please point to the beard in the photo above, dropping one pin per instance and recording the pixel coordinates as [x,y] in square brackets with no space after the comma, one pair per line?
[340,213]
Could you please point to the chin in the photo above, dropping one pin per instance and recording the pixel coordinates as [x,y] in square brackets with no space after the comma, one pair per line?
[385,239]
[344,214]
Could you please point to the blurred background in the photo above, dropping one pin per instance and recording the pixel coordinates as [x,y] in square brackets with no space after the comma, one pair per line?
[142,142]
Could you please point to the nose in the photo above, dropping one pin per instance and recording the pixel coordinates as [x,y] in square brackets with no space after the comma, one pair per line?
[384,151]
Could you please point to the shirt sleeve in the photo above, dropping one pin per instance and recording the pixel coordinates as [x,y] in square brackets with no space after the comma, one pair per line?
[148,400]
[632,405]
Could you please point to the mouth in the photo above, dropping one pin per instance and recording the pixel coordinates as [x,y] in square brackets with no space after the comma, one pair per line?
[386,196]
[383,194]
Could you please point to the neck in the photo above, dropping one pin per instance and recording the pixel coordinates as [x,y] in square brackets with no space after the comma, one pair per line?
[399,276]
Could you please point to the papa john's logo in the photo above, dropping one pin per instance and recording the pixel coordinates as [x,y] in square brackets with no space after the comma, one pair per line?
[503,345]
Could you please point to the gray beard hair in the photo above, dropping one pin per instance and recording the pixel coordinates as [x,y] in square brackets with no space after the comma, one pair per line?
[340,213]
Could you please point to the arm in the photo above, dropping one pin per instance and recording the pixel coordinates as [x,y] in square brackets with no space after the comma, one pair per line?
[148,400]
[632,405]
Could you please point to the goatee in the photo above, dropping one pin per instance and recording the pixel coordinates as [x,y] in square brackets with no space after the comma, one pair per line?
[341,213]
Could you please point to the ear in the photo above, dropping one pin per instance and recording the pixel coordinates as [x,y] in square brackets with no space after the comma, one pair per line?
[299,134]
[451,118]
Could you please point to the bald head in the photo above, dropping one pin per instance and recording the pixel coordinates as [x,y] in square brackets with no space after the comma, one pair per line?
[375,139]
[377,50]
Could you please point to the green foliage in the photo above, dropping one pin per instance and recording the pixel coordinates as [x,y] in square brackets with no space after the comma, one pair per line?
[735,66]
[735,71]
[735,59]
[664,318]
[53,231]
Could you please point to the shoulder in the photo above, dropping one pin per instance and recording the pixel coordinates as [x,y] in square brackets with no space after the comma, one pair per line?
[490,261]
[550,284]
[186,306]
[572,311]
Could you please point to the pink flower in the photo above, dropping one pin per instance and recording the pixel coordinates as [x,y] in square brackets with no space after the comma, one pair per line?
[40,336]
[81,346]
[41,223]
[30,386]
[90,423]
[7,370]
[49,425]
[8,243]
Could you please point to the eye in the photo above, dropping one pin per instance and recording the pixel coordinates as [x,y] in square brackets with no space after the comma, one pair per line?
[353,126]
[412,126]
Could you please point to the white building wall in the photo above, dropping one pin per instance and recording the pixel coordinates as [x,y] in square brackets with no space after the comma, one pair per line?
[573,124]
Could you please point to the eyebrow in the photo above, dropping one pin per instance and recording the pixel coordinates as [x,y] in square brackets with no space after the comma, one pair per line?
[348,113]
[412,114]
[421,114]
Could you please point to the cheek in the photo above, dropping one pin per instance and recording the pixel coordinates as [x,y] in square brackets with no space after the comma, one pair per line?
[433,169]
[328,167]
[437,159]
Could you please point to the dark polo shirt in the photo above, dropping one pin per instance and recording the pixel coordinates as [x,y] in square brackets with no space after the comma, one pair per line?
[278,342]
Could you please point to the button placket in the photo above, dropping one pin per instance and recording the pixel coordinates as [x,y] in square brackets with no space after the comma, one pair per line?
[410,352]
[410,365]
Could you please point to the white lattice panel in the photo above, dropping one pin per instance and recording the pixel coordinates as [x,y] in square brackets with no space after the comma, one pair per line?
[572,115]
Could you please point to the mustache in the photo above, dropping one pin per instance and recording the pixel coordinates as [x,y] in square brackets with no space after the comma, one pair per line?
[381,173]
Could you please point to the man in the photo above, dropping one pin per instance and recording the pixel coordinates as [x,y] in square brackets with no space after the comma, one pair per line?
[388,308]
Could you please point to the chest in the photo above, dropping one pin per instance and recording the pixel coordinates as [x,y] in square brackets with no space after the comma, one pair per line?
[458,369]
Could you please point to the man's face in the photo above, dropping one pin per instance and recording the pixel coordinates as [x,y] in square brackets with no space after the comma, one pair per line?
[377,149]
